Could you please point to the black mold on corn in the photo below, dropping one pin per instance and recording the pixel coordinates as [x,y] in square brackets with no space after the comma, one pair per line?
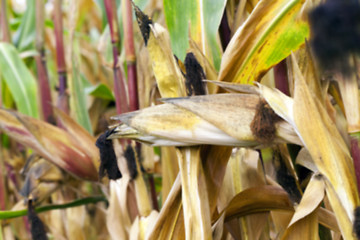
[108,164]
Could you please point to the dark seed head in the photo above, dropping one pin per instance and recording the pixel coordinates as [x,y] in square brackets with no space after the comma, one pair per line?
[194,76]
[357,222]
[144,23]
[108,164]
[131,157]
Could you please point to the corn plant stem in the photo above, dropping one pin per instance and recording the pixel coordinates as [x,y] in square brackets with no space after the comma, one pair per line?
[76,203]
[43,79]
[130,55]
[44,88]
[119,84]
[6,37]
[60,56]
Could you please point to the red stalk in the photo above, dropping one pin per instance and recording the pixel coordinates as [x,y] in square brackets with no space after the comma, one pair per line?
[119,84]
[63,103]
[43,79]
[130,55]
[5,31]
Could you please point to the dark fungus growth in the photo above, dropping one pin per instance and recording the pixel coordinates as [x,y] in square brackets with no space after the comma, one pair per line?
[36,225]
[285,178]
[357,222]
[108,162]
[194,76]
[335,27]
[131,158]
[144,23]
[263,124]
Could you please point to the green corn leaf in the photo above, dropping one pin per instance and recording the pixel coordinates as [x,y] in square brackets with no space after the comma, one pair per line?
[204,17]
[20,81]
[26,33]
[100,91]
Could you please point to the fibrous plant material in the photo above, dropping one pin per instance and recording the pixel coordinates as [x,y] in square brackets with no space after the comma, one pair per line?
[263,125]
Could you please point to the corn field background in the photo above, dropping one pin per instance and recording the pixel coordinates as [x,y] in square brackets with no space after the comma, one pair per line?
[193,119]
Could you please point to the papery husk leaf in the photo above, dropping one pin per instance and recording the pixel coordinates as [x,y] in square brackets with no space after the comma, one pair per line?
[82,136]
[168,76]
[170,222]
[348,86]
[256,200]
[242,173]
[142,225]
[328,219]
[170,170]
[313,196]
[305,228]
[194,194]
[74,223]
[52,143]
[218,227]
[235,87]
[304,159]
[270,33]
[117,218]
[328,151]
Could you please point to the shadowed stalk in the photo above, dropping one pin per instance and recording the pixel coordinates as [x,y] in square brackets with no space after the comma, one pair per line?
[43,79]
[224,31]
[119,85]
[63,102]
[281,77]
[5,31]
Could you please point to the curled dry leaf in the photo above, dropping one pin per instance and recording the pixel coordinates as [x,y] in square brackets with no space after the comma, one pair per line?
[313,196]
[170,222]
[50,142]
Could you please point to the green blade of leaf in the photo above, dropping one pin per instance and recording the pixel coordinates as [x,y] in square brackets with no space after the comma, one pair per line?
[26,33]
[100,91]
[19,80]
[76,203]
[204,17]
[78,100]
